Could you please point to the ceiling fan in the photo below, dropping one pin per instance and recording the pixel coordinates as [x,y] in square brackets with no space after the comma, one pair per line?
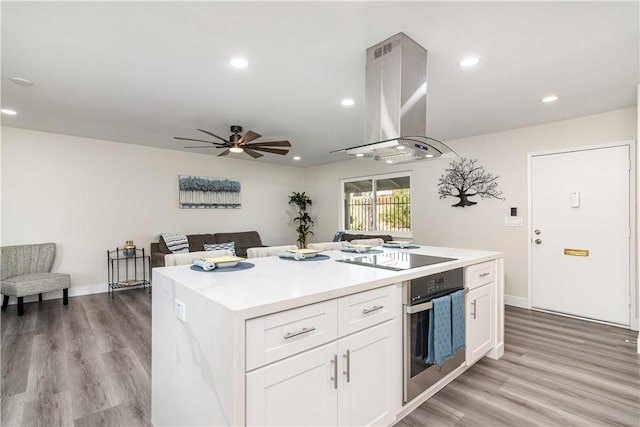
[240,144]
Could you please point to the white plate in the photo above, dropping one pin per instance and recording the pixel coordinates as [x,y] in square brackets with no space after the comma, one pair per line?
[399,243]
[308,253]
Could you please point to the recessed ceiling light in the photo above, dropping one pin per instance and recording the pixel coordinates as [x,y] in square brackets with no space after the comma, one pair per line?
[550,98]
[296,157]
[401,147]
[8,112]
[20,81]
[239,62]
[469,62]
[390,161]
[347,102]
[359,155]
[428,156]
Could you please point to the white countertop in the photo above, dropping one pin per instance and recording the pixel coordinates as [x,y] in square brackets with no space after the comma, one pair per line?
[276,284]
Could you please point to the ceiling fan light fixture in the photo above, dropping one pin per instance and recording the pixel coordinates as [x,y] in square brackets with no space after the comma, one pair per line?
[236,149]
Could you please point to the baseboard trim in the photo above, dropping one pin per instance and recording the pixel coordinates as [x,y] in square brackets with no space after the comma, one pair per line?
[74,291]
[514,301]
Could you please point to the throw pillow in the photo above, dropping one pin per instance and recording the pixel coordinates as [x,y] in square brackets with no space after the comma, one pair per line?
[230,246]
[177,243]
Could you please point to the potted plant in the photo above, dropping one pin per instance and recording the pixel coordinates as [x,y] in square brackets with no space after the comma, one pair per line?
[301,200]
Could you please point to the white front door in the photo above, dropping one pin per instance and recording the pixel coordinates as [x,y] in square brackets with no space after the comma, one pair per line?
[580,228]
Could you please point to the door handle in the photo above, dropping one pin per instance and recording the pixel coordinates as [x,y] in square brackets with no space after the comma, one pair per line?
[347,372]
[538,241]
[474,309]
[334,378]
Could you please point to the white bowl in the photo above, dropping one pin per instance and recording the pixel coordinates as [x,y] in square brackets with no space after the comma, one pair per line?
[224,261]
[308,253]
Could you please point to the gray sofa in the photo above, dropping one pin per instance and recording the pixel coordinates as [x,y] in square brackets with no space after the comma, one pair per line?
[242,239]
[26,270]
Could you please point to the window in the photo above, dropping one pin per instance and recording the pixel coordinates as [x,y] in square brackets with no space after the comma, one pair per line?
[378,203]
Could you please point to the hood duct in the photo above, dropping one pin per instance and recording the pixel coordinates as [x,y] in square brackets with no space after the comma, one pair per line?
[396,104]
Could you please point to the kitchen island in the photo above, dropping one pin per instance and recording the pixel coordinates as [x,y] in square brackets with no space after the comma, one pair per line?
[301,342]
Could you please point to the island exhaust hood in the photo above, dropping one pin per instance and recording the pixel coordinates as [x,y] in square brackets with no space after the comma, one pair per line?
[396,104]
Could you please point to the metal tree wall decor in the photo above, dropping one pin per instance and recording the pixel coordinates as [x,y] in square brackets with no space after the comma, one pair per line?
[466,179]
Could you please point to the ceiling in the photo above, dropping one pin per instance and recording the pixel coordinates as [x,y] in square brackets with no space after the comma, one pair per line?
[144,72]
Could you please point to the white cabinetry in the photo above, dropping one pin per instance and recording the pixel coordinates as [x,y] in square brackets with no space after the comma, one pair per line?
[348,381]
[480,310]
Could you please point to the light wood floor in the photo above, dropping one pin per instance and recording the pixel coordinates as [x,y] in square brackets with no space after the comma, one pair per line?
[89,364]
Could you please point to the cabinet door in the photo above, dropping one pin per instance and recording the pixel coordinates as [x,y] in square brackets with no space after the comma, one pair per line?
[479,322]
[367,368]
[297,391]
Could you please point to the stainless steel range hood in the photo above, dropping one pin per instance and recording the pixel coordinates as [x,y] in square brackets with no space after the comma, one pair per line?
[396,104]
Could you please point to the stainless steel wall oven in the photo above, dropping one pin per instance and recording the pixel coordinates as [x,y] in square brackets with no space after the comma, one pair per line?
[419,374]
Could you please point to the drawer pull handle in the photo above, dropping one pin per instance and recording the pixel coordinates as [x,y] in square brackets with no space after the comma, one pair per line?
[484,274]
[300,332]
[372,309]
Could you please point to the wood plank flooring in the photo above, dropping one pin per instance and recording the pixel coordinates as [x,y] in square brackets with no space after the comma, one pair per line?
[556,371]
[84,364]
[89,364]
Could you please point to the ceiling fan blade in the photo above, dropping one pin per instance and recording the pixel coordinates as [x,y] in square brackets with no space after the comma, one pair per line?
[224,153]
[214,135]
[205,146]
[199,140]
[249,136]
[270,150]
[252,153]
[271,144]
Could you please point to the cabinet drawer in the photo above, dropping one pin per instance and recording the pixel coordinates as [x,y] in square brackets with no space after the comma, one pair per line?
[279,335]
[365,309]
[480,274]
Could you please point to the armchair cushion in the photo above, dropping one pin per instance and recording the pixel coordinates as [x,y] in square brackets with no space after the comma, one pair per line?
[35,283]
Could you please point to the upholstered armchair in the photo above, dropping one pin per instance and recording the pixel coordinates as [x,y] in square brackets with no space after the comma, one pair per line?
[26,270]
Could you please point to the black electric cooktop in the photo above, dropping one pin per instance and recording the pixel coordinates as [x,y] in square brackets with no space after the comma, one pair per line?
[396,261]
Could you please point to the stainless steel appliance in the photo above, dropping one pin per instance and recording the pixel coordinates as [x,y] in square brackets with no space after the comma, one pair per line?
[419,375]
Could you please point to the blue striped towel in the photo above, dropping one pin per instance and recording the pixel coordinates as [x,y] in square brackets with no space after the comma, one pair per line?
[440,331]
[457,322]
[176,243]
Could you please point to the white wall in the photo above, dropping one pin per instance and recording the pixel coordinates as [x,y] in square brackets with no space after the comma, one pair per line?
[90,195]
[481,226]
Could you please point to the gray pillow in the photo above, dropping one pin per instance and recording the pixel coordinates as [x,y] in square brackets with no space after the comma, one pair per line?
[230,246]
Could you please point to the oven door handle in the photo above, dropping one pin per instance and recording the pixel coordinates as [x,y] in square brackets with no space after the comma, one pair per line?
[413,309]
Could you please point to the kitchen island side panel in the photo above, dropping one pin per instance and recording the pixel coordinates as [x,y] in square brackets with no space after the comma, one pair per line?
[194,361]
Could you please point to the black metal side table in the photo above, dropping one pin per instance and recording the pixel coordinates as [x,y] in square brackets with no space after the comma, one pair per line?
[127,271]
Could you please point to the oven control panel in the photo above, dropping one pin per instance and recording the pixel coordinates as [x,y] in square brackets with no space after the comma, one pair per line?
[422,289]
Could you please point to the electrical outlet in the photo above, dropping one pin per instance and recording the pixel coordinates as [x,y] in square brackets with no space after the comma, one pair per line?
[180,309]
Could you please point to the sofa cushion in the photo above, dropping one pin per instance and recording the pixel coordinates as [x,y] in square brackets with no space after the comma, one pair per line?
[349,237]
[197,241]
[230,246]
[243,240]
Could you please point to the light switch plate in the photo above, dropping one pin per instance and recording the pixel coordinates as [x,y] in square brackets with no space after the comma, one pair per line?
[513,221]
[180,309]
